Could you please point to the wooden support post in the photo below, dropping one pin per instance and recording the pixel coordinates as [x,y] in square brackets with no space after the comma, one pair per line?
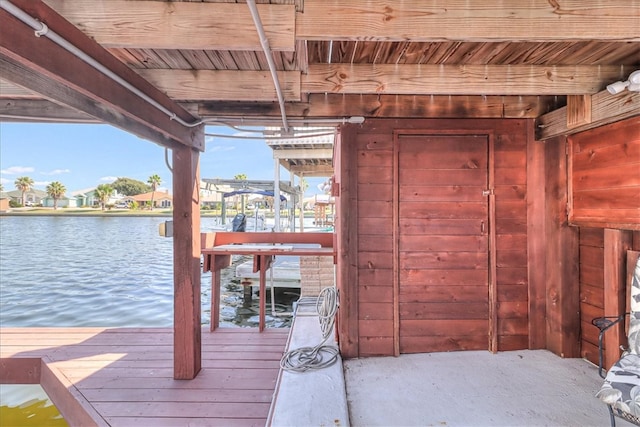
[262,263]
[347,241]
[562,275]
[536,268]
[187,330]
[616,244]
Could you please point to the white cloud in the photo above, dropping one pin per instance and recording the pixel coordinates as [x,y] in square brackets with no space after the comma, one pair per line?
[16,170]
[5,181]
[108,179]
[41,183]
[56,172]
[219,148]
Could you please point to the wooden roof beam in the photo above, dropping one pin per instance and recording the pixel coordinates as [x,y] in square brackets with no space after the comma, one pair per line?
[179,25]
[412,79]
[605,108]
[389,106]
[405,79]
[224,85]
[40,65]
[39,111]
[504,20]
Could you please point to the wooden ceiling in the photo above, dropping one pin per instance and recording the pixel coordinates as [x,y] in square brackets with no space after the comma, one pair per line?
[335,59]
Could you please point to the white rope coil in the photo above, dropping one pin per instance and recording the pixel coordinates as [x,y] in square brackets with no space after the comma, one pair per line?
[321,356]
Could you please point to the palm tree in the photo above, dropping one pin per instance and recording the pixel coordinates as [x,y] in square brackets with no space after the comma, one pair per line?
[56,190]
[154,181]
[24,184]
[102,193]
[1,187]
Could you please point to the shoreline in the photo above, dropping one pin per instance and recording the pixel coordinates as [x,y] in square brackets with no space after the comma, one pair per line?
[41,212]
[112,213]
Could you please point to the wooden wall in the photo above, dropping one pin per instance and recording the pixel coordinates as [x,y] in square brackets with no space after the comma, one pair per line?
[369,266]
[591,289]
[550,277]
[604,287]
[605,176]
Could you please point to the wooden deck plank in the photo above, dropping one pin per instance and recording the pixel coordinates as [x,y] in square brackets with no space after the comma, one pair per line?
[181,422]
[184,395]
[127,374]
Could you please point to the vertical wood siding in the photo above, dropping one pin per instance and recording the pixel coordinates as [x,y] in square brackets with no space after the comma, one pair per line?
[591,288]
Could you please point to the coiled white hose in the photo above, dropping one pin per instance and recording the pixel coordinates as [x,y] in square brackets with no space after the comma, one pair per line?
[321,356]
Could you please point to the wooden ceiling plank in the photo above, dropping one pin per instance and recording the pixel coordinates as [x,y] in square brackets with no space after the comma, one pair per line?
[179,25]
[392,106]
[197,59]
[189,85]
[411,79]
[40,65]
[505,20]
[605,108]
[127,57]
[301,153]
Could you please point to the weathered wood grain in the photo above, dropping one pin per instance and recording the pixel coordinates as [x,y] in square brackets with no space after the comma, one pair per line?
[162,25]
[416,20]
[431,79]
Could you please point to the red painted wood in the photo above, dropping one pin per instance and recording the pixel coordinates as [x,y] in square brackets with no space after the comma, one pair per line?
[368,164]
[561,246]
[347,178]
[426,344]
[128,381]
[186,263]
[376,346]
[605,183]
[42,66]
[616,244]
[438,254]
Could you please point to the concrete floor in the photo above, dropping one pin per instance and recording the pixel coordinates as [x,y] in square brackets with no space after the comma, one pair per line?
[474,388]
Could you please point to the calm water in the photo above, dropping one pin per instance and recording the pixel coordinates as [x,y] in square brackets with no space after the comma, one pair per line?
[100,271]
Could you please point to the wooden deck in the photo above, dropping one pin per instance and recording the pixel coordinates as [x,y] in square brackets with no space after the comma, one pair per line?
[126,375]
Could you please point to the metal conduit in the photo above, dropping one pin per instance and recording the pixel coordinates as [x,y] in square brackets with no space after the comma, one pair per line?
[272,66]
[41,29]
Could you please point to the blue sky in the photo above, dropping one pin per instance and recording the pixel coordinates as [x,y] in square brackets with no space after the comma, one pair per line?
[84,156]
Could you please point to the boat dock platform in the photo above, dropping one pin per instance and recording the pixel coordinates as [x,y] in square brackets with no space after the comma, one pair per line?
[124,376]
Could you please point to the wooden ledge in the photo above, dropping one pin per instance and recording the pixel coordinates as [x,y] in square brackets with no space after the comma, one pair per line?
[73,406]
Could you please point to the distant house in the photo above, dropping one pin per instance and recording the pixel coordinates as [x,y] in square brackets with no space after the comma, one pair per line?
[212,196]
[161,199]
[4,202]
[87,197]
[63,202]
[33,196]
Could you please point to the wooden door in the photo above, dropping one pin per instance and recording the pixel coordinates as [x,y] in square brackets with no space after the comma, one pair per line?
[442,242]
